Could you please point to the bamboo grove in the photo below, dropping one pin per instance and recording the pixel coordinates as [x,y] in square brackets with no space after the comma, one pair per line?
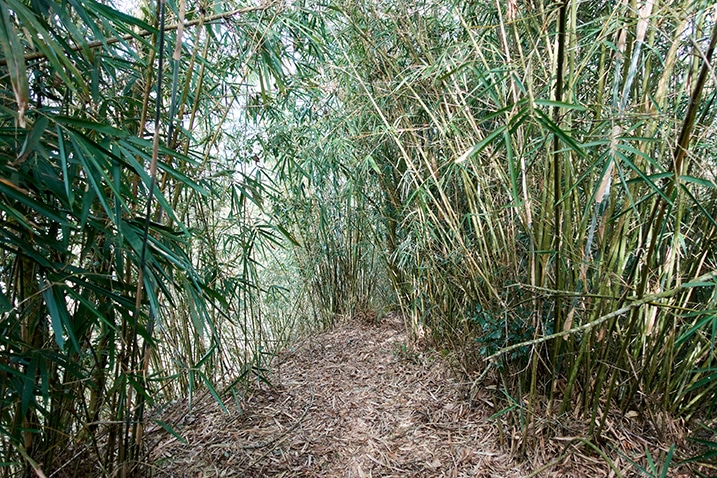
[186,190]
[118,287]
[536,182]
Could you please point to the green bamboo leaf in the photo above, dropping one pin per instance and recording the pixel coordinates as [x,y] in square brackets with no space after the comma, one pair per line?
[206,356]
[91,307]
[287,234]
[159,196]
[557,131]
[709,379]
[90,125]
[651,177]
[505,110]
[703,457]
[668,461]
[65,19]
[707,443]
[168,428]
[95,172]
[518,119]
[14,243]
[140,388]
[33,137]
[643,176]
[79,9]
[15,58]
[641,154]
[55,317]
[61,322]
[650,462]
[699,181]
[55,53]
[583,177]
[28,389]
[372,163]
[245,371]
[481,145]
[212,390]
[503,412]
[689,285]
[705,213]
[88,198]
[5,305]
[23,197]
[122,21]
[182,178]
[133,236]
[64,162]
[124,301]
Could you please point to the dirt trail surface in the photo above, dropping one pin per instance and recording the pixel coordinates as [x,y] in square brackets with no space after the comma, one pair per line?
[354,403]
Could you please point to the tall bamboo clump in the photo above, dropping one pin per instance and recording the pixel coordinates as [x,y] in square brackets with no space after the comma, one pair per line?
[540,169]
[328,215]
[306,135]
[110,302]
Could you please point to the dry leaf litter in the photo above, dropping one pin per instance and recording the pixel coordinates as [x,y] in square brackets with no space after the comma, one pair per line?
[354,402]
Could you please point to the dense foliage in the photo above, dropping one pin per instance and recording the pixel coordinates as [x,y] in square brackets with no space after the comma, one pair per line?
[119,289]
[185,191]
[537,180]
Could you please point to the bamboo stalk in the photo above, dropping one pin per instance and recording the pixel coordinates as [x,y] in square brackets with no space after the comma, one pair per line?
[646,299]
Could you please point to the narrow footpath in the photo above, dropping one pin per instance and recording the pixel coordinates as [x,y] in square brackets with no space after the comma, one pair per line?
[354,403]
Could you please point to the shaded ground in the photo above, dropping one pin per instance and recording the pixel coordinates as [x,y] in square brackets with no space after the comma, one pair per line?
[354,403]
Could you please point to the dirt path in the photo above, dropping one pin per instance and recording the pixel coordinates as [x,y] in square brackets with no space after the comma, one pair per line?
[354,403]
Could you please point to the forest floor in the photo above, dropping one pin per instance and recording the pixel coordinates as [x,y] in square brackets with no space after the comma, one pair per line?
[355,402]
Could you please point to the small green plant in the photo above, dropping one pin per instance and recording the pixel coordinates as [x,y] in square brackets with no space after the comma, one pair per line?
[653,470]
[497,332]
[402,352]
[710,448]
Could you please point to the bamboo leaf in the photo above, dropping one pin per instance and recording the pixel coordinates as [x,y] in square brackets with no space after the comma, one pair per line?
[480,146]
[15,58]
[556,130]
[50,48]
[668,461]
[640,154]
[206,356]
[699,181]
[710,318]
[33,138]
[90,125]
[643,176]
[56,319]
[212,390]
[5,305]
[23,197]
[169,429]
